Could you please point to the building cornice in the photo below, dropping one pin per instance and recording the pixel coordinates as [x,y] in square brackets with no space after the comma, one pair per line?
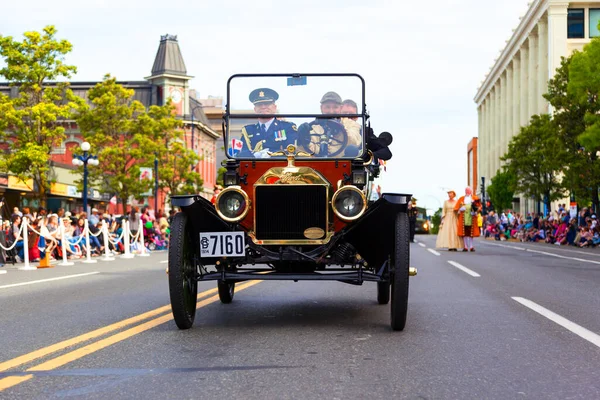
[172,76]
[520,35]
[204,128]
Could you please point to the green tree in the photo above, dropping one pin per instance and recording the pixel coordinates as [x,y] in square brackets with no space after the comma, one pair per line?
[583,93]
[125,135]
[581,168]
[502,190]
[532,159]
[175,170]
[221,175]
[30,123]
[436,219]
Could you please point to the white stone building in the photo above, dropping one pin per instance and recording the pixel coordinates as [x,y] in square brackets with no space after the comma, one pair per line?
[512,90]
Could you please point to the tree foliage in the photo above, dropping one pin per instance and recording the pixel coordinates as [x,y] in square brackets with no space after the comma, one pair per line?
[125,135]
[175,170]
[532,158]
[30,123]
[436,220]
[502,189]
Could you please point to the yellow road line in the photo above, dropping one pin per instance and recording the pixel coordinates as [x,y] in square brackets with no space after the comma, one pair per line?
[15,362]
[59,361]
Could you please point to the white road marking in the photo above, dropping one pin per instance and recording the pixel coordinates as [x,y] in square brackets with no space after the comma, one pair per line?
[164,261]
[562,321]
[47,280]
[565,257]
[547,253]
[2,271]
[433,252]
[505,245]
[464,269]
[422,244]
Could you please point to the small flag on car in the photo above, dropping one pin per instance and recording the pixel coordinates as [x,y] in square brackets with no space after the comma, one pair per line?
[235,147]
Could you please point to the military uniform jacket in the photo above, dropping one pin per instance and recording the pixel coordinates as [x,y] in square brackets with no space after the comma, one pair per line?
[278,136]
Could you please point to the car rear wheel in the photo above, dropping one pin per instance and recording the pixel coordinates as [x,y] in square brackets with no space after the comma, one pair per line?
[399,266]
[383,292]
[183,286]
[226,291]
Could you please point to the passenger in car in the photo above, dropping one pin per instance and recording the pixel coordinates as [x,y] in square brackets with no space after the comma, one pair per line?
[269,134]
[326,136]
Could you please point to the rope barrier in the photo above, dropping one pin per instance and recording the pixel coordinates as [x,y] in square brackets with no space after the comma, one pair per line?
[107,255]
[15,241]
[63,243]
[88,259]
[67,242]
[26,267]
[126,235]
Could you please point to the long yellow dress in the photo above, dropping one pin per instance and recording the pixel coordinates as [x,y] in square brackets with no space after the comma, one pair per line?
[447,237]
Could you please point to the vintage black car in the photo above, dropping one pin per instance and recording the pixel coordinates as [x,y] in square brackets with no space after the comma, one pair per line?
[294,207]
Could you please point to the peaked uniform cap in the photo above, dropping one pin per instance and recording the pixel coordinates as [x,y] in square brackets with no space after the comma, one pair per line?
[262,95]
[331,96]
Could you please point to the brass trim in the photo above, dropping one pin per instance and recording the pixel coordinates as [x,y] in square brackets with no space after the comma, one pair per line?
[412,271]
[371,156]
[343,189]
[291,154]
[295,241]
[239,190]
[260,242]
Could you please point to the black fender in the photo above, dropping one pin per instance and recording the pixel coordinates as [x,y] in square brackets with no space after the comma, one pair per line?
[373,235]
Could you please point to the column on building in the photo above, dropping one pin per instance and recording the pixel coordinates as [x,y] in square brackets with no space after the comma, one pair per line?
[524,72]
[543,76]
[480,129]
[496,126]
[490,132]
[502,118]
[557,34]
[516,98]
[509,107]
[533,73]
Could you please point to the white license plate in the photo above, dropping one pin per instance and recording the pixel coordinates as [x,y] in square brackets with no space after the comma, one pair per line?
[222,244]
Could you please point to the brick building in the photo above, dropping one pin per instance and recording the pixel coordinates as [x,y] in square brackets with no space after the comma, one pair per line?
[168,79]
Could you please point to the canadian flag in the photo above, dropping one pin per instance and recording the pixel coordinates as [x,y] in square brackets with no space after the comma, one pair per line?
[236,147]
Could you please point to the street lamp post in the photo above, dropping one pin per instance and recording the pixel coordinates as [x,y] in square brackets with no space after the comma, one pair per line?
[84,160]
[192,114]
[155,182]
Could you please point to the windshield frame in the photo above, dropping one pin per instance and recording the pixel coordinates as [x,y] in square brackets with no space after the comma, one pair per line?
[227,116]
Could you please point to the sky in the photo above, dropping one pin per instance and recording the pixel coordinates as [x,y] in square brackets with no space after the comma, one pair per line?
[422,61]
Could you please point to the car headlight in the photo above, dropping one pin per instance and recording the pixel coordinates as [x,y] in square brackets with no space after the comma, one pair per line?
[349,203]
[425,225]
[232,204]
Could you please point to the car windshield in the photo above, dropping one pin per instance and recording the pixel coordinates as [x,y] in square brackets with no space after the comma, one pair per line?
[321,115]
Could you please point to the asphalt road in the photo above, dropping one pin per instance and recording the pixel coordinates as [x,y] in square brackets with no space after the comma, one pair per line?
[509,321]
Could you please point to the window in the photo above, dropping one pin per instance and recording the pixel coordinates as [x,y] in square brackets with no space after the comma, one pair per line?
[594,19]
[575,23]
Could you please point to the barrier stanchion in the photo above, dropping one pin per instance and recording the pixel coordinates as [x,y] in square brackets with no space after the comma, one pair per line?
[127,253]
[26,267]
[63,241]
[88,259]
[143,251]
[107,255]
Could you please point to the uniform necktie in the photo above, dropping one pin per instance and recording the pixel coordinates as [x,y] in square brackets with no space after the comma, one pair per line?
[263,128]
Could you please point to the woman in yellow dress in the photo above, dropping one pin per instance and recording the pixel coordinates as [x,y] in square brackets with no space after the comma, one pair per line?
[447,237]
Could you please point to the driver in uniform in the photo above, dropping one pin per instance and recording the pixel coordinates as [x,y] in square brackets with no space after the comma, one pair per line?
[268,134]
[329,137]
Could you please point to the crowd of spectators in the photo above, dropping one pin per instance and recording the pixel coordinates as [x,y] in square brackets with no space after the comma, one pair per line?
[559,227]
[45,236]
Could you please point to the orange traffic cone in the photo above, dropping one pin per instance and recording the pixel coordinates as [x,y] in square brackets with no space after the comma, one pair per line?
[45,262]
